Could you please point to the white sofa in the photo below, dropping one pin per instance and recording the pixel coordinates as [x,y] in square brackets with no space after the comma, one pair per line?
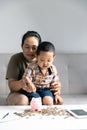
[72,70]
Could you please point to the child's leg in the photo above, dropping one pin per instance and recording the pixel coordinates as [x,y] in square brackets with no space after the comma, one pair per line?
[30,95]
[47,100]
[47,96]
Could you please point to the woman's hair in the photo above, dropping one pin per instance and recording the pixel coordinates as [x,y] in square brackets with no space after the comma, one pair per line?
[45,46]
[31,34]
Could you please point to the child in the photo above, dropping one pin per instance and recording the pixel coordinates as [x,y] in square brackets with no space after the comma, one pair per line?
[42,74]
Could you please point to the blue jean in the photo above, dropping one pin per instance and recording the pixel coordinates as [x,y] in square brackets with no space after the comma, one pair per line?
[41,92]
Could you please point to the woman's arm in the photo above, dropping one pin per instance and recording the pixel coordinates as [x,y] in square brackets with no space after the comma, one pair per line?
[25,83]
[56,87]
[55,84]
[15,85]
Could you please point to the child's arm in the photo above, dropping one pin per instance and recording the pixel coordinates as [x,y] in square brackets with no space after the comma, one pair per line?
[27,78]
[30,86]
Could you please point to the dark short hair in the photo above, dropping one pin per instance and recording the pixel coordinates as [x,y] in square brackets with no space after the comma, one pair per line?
[45,46]
[31,34]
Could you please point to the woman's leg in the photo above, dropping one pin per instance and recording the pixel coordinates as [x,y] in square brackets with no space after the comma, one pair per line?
[17,99]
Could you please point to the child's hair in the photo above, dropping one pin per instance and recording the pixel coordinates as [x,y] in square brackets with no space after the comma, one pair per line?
[45,46]
[31,34]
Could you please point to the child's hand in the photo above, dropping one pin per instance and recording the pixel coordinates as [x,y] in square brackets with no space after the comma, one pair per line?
[58,100]
[30,87]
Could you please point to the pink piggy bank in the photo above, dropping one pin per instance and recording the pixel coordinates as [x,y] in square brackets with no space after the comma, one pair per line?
[36,104]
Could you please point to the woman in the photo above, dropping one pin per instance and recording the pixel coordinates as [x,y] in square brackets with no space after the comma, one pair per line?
[17,66]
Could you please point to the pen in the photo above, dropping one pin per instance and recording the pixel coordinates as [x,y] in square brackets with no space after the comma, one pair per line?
[5,115]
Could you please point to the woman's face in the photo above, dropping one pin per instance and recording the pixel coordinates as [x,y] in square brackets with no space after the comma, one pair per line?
[29,48]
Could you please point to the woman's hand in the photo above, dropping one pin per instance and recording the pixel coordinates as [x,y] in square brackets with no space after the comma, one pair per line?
[55,87]
[28,85]
[58,100]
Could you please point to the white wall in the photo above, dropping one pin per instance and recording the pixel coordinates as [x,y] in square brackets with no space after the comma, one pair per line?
[63,22]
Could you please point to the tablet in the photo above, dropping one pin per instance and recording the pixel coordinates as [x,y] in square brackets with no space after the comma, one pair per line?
[78,113]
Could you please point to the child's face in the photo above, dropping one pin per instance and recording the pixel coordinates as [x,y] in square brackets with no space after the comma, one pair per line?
[45,59]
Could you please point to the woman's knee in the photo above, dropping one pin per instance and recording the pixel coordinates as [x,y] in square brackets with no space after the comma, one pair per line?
[17,99]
